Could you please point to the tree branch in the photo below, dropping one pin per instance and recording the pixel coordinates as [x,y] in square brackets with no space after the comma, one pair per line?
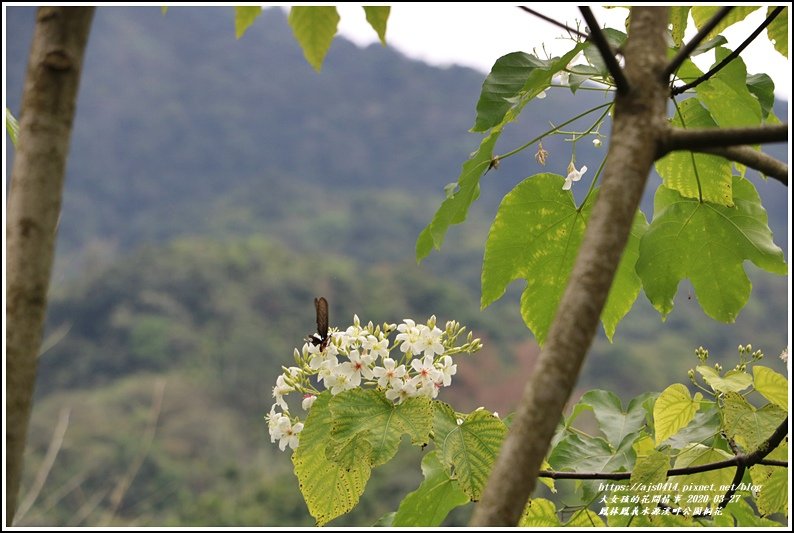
[763,163]
[696,138]
[639,121]
[768,445]
[553,21]
[689,47]
[733,55]
[34,204]
[738,460]
[607,54]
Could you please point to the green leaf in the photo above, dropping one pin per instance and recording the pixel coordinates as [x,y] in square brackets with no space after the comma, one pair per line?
[163,9]
[773,386]
[707,243]
[734,380]
[615,38]
[378,17]
[436,496]
[314,28]
[585,518]
[702,14]
[692,484]
[385,520]
[536,236]
[708,44]
[539,512]
[650,470]
[674,409]
[740,514]
[578,74]
[681,170]
[773,483]
[330,490]
[704,428]
[514,80]
[727,97]
[678,19]
[763,88]
[368,414]
[12,126]
[467,449]
[590,454]
[627,284]
[613,422]
[774,494]
[244,16]
[455,207]
[777,31]
[749,426]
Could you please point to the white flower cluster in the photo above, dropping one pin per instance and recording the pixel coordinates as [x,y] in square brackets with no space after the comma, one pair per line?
[417,363]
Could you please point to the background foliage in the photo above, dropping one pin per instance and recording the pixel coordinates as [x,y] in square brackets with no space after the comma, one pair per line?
[203,214]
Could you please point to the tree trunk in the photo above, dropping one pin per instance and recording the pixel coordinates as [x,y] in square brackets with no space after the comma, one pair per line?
[34,205]
[638,123]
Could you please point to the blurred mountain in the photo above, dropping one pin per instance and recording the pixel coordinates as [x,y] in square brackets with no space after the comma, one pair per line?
[184,130]
[214,187]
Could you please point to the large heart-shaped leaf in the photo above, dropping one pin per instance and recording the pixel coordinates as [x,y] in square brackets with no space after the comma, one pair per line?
[368,414]
[726,95]
[467,447]
[701,176]
[329,488]
[707,244]
[430,504]
[536,236]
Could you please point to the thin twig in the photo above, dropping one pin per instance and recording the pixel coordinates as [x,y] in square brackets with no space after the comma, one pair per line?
[749,157]
[689,47]
[696,138]
[46,465]
[730,57]
[553,21]
[737,478]
[738,460]
[607,54]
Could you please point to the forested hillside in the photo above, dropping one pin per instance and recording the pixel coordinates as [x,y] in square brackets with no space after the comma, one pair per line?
[214,188]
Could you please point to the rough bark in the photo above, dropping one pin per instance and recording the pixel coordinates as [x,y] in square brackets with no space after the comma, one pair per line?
[34,205]
[638,123]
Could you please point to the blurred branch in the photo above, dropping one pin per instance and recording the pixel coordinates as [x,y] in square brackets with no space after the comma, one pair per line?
[697,138]
[607,54]
[730,57]
[689,47]
[553,21]
[46,464]
[763,163]
[124,483]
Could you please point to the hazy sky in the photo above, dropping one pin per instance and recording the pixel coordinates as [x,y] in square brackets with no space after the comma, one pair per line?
[476,34]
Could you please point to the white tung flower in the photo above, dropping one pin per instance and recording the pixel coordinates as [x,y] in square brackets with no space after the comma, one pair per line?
[308,400]
[388,374]
[409,336]
[426,372]
[401,391]
[447,369]
[289,433]
[280,390]
[430,341]
[377,348]
[573,175]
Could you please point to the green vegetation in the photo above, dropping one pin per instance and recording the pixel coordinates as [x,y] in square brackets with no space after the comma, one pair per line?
[195,234]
